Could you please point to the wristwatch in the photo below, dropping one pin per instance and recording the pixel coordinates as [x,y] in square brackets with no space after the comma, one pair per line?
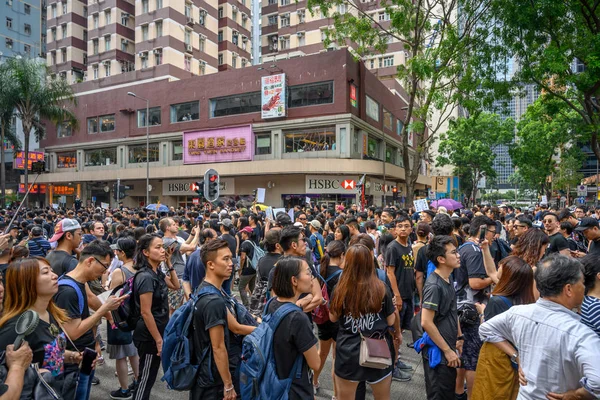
[514,357]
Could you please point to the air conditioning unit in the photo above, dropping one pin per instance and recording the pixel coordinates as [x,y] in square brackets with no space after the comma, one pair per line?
[126,15]
[244,38]
[157,52]
[244,16]
[143,54]
[234,8]
[106,62]
[189,48]
[125,42]
[299,34]
[203,13]
[203,63]
[274,39]
[190,21]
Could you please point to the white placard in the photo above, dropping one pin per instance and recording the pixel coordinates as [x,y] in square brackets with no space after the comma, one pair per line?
[55,206]
[269,213]
[308,200]
[421,205]
[544,200]
[260,195]
[105,205]
[277,211]
[291,214]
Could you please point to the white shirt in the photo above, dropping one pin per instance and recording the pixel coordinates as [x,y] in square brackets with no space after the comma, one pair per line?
[557,352]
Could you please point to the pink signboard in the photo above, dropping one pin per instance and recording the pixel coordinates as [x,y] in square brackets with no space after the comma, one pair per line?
[218,145]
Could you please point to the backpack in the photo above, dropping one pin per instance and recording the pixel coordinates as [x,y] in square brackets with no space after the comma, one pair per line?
[127,315]
[257,254]
[179,371]
[258,372]
[321,313]
[62,281]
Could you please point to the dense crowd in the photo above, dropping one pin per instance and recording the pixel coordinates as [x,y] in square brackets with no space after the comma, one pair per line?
[501,302]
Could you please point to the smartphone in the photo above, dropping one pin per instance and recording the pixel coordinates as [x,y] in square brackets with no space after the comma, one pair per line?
[126,294]
[482,232]
[88,358]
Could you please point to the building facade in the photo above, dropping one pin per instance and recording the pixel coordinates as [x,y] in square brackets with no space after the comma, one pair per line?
[338,123]
[22,29]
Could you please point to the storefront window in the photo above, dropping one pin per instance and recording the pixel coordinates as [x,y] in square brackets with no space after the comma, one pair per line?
[315,139]
[137,154]
[236,104]
[107,123]
[153,119]
[66,160]
[185,112]
[177,151]
[263,144]
[373,148]
[310,94]
[387,119]
[100,157]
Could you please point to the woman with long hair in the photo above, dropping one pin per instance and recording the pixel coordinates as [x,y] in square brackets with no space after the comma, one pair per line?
[531,246]
[342,233]
[364,307]
[151,297]
[31,285]
[497,378]
[330,269]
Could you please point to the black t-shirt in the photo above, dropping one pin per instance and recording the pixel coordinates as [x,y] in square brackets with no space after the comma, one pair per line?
[246,247]
[67,299]
[46,341]
[148,281]
[266,264]
[471,266]
[439,296]
[595,247]
[230,242]
[332,269]
[209,311]
[292,338]
[61,262]
[557,243]
[496,305]
[421,261]
[3,268]
[401,258]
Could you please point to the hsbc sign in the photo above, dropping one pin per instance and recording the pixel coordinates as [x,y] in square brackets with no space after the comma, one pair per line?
[185,187]
[322,184]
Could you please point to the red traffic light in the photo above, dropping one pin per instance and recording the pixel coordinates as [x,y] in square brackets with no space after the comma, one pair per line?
[213,178]
[394,189]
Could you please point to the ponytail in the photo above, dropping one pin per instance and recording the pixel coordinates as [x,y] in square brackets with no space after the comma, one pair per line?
[334,249]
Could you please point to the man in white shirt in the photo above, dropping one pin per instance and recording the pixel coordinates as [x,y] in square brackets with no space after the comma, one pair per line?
[558,355]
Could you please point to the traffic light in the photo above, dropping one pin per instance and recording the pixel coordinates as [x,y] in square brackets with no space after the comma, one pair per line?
[120,191]
[211,185]
[198,187]
[395,193]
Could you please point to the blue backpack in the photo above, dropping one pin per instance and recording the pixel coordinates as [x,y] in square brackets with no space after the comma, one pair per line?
[180,373]
[62,281]
[258,372]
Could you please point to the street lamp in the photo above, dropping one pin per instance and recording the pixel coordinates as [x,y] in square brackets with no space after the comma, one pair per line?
[147,146]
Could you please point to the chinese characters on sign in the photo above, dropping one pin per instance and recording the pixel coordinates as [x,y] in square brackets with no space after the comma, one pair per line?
[63,190]
[218,145]
[353,97]
[273,96]
[66,161]
[35,189]
[19,161]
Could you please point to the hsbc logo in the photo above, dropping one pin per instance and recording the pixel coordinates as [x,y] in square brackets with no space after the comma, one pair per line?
[320,184]
[348,184]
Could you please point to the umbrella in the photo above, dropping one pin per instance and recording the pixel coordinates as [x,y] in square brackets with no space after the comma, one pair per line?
[161,208]
[448,203]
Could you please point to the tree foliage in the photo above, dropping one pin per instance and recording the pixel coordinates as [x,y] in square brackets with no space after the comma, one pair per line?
[469,145]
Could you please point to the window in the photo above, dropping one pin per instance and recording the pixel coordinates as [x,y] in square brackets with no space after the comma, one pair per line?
[153,117]
[95,46]
[124,45]
[372,108]
[144,6]
[188,9]
[85,11]
[137,154]
[95,74]
[383,16]
[390,154]
[301,16]
[310,94]
[220,60]
[53,33]
[124,19]
[202,68]
[159,4]
[53,58]
[202,20]
[285,2]
[64,8]
[64,130]
[285,20]
[27,29]
[301,40]
[399,126]
[144,60]
[144,32]
[263,144]
[234,61]
[95,20]
[9,43]
[243,62]
[9,23]
[100,157]
[311,139]
[187,36]
[107,68]
[106,123]
[63,53]
[53,10]
[64,30]
[388,61]
[66,160]
[341,8]
[158,56]
[284,42]
[236,104]
[188,63]
[221,12]
[177,151]
[85,37]
[373,146]
[234,38]
[202,43]
[107,17]
[106,43]
[185,112]
[271,2]
[158,26]
[272,20]
[27,49]
[27,9]
[220,36]
[387,119]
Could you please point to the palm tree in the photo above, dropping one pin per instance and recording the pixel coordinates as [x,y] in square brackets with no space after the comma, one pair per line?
[39,98]
[7,133]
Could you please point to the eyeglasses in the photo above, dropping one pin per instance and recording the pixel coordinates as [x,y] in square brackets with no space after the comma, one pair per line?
[101,263]
[548,221]
[520,226]
[302,219]
[494,232]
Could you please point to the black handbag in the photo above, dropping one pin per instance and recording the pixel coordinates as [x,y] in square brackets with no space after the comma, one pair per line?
[118,337]
[467,314]
[36,385]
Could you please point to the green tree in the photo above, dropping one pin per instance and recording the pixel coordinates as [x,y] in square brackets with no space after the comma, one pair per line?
[438,39]
[39,98]
[557,45]
[567,176]
[469,145]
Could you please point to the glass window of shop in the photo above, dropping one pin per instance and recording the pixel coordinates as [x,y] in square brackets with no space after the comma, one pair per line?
[313,139]
[373,148]
[153,117]
[177,151]
[390,154]
[310,94]
[66,160]
[183,112]
[99,157]
[236,104]
[387,119]
[137,154]
[263,144]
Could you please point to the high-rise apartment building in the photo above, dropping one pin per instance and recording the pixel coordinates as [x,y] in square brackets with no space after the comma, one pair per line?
[235,25]
[22,29]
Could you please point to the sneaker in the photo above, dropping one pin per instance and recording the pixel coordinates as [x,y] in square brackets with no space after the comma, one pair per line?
[100,361]
[400,376]
[120,394]
[462,396]
[95,381]
[403,366]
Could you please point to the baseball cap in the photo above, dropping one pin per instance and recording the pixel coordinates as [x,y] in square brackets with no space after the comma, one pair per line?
[226,222]
[247,229]
[88,238]
[587,223]
[315,224]
[283,219]
[64,225]
[298,225]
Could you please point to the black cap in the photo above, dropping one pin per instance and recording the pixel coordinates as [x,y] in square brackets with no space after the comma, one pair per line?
[586,223]
[282,219]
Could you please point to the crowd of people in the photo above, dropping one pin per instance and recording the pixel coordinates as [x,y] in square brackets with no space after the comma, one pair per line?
[501,302]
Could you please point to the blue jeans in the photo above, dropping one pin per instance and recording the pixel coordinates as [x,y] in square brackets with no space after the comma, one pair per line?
[84,386]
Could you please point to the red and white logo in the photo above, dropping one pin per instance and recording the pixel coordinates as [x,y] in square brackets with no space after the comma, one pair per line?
[196,201]
[194,187]
[348,184]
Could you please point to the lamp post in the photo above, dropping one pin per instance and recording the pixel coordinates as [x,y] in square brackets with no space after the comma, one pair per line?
[147,145]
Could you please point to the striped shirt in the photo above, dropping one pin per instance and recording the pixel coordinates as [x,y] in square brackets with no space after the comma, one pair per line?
[590,313]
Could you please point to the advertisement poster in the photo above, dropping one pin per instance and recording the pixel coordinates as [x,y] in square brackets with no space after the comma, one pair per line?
[218,145]
[273,96]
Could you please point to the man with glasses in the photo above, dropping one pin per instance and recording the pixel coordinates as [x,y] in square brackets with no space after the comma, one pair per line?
[94,260]
[558,243]
[520,226]
[67,233]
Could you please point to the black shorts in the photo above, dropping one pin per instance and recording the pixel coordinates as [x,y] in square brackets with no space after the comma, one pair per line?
[471,347]
[327,331]
[439,381]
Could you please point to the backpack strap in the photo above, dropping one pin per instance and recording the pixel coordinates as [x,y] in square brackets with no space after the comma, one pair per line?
[62,281]
[505,300]
[336,273]
[274,322]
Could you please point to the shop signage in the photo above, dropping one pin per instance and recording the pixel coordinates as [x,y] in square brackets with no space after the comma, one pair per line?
[376,187]
[322,184]
[349,184]
[19,160]
[35,189]
[184,187]
[62,190]
[273,96]
[353,96]
[218,145]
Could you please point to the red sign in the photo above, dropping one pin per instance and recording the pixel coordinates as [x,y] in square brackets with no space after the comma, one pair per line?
[64,190]
[348,184]
[196,201]
[19,161]
[353,100]
[36,189]
[194,188]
